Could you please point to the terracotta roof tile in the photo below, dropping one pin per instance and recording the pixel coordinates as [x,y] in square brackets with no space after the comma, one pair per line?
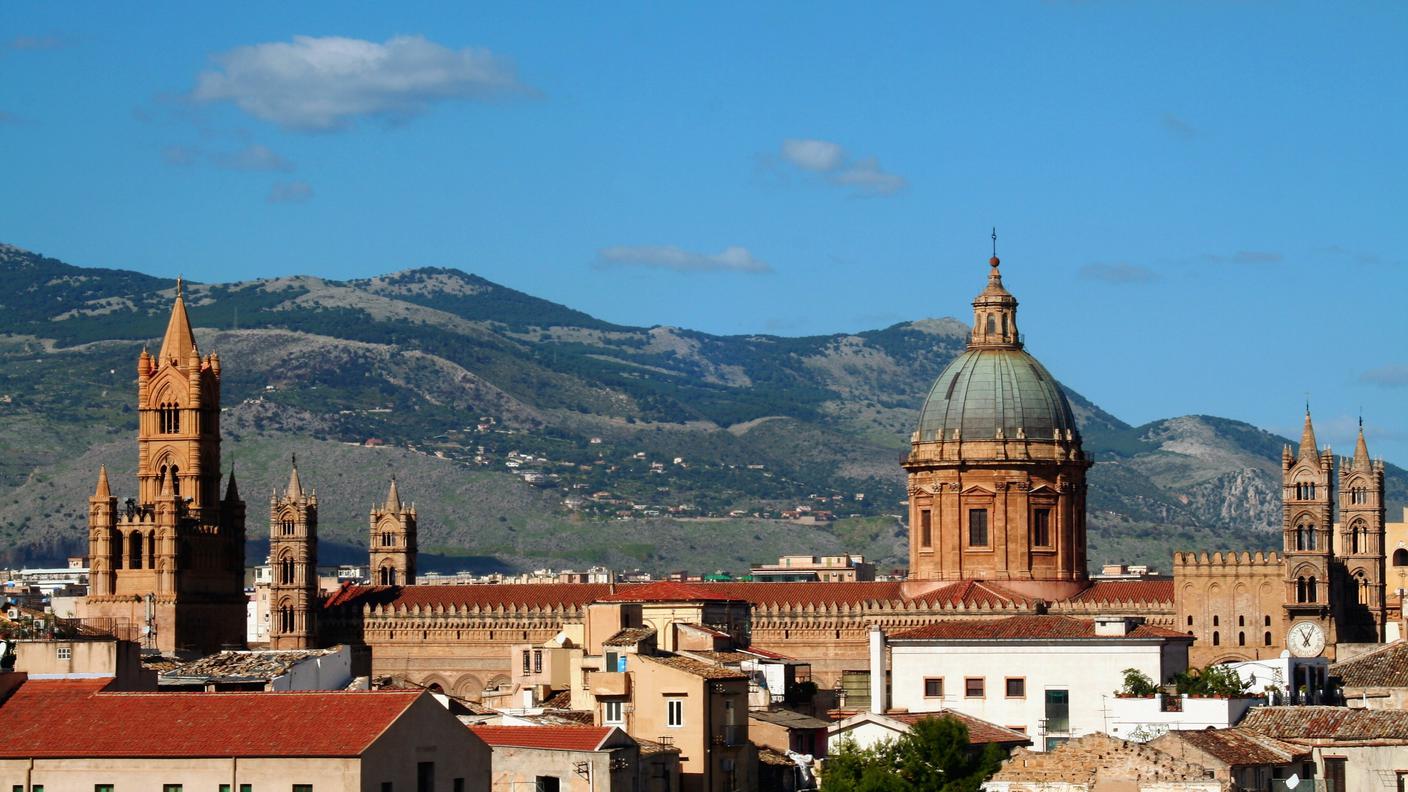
[666,591]
[62,718]
[698,668]
[1241,747]
[523,595]
[1029,628]
[630,636]
[1383,667]
[1338,724]
[552,738]
[1110,591]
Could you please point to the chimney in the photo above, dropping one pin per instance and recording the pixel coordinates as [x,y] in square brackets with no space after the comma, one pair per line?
[1113,626]
[877,670]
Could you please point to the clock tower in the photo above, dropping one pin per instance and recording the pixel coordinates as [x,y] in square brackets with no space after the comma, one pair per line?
[1307,527]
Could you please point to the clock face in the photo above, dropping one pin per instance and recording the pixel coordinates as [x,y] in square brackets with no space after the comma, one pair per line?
[1306,639]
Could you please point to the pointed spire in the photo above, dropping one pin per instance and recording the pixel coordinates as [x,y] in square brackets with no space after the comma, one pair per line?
[1307,437]
[166,490]
[179,338]
[232,492]
[995,311]
[295,487]
[1361,449]
[393,498]
[103,490]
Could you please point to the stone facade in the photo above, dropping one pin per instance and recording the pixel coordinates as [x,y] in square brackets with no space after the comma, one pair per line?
[393,541]
[293,556]
[167,567]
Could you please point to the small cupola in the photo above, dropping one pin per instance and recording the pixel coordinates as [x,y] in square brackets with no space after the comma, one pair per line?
[995,312]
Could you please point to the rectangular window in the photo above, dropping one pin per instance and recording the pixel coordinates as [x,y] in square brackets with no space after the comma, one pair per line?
[1334,775]
[926,528]
[1016,687]
[614,710]
[547,784]
[65,652]
[610,661]
[246,787]
[973,687]
[302,788]
[1041,528]
[425,777]
[387,786]
[108,787]
[674,712]
[223,788]
[1018,729]
[537,661]
[458,784]
[1058,711]
[977,527]
[164,788]
[527,662]
[933,687]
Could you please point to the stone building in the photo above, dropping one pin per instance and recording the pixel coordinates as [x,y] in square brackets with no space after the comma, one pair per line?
[293,557]
[998,528]
[167,566]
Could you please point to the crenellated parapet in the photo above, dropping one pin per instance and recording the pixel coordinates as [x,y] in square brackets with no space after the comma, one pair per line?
[1194,562]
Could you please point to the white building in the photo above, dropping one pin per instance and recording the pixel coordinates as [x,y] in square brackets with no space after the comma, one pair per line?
[1050,677]
[1143,718]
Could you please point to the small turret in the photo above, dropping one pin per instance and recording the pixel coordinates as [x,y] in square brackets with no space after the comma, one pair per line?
[103,491]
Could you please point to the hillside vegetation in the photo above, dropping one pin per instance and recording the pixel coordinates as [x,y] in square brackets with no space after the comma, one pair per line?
[531,434]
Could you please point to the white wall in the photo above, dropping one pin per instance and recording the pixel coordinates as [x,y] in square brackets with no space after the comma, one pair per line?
[328,672]
[1089,670]
[1143,719]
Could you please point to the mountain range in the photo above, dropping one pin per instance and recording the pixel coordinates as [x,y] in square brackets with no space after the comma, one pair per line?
[531,434]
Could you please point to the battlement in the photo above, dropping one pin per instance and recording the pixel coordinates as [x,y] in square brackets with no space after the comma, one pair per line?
[1190,562]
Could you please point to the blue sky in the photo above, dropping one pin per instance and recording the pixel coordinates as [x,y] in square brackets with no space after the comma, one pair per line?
[1200,205]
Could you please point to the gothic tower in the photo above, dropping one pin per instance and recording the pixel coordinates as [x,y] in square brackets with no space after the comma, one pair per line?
[393,541]
[1308,498]
[996,470]
[293,554]
[1361,545]
[169,567]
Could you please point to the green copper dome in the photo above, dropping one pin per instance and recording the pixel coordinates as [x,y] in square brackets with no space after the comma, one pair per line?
[987,393]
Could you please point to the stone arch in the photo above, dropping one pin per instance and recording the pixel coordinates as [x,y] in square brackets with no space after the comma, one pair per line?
[498,681]
[435,682]
[1400,557]
[468,686]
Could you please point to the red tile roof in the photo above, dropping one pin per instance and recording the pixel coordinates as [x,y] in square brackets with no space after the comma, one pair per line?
[666,591]
[698,668]
[1028,628]
[552,738]
[56,718]
[523,595]
[1338,724]
[980,732]
[1239,747]
[1383,667]
[1106,591]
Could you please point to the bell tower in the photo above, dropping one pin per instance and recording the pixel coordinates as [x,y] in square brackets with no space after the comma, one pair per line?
[168,566]
[393,541]
[1308,501]
[293,554]
[1361,545]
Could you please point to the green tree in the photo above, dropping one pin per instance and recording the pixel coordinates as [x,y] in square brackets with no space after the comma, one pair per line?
[933,756]
[1214,680]
[1137,683]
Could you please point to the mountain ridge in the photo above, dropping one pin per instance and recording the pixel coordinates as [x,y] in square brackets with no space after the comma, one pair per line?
[455,376]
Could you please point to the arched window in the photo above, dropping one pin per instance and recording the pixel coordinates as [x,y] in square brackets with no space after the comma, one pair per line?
[992,325]
[1266,639]
[1004,324]
[134,550]
[1300,590]
[175,481]
[1241,621]
[288,527]
[1356,532]
[1400,557]
[1216,621]
[1266,621]
[388,576]
[1216,639]
[1241,639]
[286,571]
[1310,588]
[286,619]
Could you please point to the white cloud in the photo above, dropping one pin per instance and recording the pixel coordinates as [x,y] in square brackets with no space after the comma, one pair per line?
[327,83]
[813,155]
[1390,376]
[253,157]
[864,174]
[669,257]
[291,192]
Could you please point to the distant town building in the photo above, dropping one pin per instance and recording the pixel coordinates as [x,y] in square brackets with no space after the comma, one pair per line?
[844,568]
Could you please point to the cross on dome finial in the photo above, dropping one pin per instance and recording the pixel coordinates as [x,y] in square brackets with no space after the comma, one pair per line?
[994,260]
[179,285]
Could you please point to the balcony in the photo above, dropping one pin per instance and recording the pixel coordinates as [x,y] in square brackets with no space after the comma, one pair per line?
[609,683]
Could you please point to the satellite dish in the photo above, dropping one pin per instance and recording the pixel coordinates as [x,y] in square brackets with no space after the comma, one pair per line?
[1293,781]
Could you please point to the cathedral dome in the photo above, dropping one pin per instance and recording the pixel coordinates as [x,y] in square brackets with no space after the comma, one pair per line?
[990,393]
